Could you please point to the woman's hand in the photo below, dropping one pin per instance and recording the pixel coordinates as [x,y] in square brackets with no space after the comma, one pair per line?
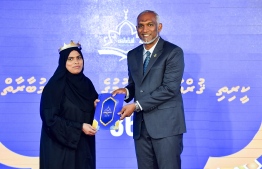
[88,129]
[95,102]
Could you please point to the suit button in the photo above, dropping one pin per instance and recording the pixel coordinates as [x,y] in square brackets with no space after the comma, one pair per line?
[141,91]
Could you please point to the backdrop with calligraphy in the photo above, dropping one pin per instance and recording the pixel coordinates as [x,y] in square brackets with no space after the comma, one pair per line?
[222,42]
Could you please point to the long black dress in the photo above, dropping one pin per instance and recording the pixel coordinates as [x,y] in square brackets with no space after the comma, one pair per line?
[67,102]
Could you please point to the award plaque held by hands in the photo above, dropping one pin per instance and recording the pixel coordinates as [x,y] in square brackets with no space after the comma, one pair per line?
[106,117]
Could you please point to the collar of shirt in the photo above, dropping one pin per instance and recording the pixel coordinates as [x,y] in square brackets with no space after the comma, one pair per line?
[150,50]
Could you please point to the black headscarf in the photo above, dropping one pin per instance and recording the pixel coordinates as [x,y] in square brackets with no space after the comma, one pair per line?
[76,87]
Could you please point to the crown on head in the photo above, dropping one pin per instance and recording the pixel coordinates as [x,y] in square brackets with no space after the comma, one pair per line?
[70,45]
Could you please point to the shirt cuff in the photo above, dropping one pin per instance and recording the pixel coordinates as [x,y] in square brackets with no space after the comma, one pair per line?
[127,94]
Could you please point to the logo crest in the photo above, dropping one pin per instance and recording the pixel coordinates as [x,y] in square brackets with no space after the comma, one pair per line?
[119,41]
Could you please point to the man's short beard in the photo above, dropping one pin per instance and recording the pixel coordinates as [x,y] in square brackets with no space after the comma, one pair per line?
[148,42]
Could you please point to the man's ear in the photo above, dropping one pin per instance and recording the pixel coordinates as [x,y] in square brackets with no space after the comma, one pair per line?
[159,27]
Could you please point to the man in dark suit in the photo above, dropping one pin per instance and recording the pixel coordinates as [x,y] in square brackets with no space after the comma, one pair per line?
[155,72]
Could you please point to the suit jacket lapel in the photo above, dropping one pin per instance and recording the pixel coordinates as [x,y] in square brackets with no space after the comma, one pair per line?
[155,55]
[139,60]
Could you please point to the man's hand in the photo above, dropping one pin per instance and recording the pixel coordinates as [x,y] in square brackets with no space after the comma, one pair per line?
[127,111]
[119,91]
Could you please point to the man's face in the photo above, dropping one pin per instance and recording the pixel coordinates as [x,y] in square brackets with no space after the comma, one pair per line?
[74,63]
[147,28]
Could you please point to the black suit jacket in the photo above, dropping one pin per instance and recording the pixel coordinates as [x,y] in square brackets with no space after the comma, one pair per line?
[158,90]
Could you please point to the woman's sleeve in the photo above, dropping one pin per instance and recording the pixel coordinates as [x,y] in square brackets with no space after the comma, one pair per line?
[64,131]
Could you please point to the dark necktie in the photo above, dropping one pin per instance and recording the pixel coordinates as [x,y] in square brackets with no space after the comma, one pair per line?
[146,61]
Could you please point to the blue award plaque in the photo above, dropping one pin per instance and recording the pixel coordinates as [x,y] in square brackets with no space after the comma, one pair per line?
[106,117]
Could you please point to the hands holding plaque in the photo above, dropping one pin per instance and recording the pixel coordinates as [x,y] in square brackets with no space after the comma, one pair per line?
[128,109]
[106,117]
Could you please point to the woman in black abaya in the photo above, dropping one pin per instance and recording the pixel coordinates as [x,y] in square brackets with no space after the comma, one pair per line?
[67,111]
